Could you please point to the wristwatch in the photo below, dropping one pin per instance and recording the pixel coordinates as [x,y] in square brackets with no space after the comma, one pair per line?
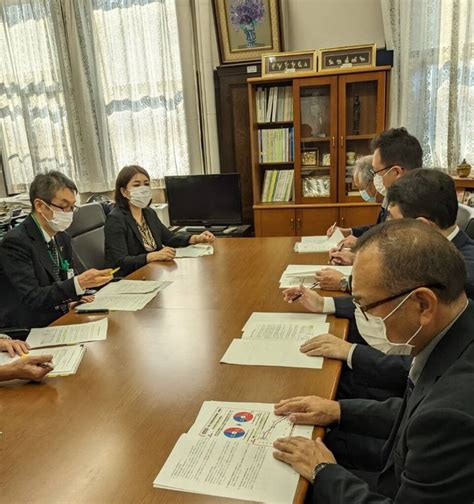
[344,284]
[317,470]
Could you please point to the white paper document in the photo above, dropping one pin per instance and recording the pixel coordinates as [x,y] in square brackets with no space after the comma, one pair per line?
[261,317]
[198,250]
[66,359]
[121,299]
[319,243]
[303,274]
[68,334]
[133,287]
[228,453]
[284,353]
[294,331]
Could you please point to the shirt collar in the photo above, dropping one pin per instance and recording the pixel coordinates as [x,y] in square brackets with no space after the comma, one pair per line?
[46,236]
[421,359]
[453,233]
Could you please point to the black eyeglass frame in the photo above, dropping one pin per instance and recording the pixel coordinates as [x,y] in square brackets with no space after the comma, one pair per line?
[74,208]
[370,306]
[373,172]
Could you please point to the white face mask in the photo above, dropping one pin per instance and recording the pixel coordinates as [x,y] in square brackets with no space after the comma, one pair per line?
[60,221]
[374,332]
[378,182]
[140,196]
[366,196]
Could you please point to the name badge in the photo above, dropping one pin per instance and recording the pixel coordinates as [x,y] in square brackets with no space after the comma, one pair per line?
[70,273]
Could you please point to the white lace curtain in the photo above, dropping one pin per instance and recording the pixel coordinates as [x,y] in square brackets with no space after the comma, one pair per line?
[432,91]
[90,86]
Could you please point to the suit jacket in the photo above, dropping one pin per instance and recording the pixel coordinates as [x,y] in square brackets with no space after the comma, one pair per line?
[430,433]
[124,246]
[387,374]
[29,291]
[360,230]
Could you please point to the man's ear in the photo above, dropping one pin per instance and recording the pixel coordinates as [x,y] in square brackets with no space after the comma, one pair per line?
[426,221]
[398,170]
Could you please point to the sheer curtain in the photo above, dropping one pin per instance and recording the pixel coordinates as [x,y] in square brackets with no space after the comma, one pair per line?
[432,91]
[137,46]
[88,87]
[35,134]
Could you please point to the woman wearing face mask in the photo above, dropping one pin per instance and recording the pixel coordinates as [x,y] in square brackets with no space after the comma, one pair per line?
[134,235]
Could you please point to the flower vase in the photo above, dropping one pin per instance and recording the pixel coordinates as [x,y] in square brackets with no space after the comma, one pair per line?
[250,35]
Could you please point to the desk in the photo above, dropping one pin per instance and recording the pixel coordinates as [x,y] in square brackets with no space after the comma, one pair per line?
[102,435]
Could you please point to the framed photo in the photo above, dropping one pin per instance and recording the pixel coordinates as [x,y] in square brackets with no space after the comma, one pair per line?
[310,157]
[288,63]
[246,29]
[362,56]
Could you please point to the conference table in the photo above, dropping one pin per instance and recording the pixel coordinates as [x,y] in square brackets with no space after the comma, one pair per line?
[103,434]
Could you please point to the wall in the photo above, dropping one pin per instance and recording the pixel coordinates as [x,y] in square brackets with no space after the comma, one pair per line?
[316,24]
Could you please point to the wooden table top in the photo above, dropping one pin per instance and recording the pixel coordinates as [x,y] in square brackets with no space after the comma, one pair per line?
[102,435]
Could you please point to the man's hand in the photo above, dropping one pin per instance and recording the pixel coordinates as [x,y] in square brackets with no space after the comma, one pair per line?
[329,278]
[309,410]
[310,299]
[94,278]
[327,345]
[344,257]
[349,242]
[28,368]
[344,231]
[14,347]
[303,454]
[165,254]
[204,237]
[84,299]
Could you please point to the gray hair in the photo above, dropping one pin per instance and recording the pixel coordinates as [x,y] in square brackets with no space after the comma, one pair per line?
[363,169]
[414,254]
[46,185]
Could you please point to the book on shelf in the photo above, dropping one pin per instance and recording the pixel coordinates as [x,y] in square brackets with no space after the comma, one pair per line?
[276,145]
[277,186]
[274,104]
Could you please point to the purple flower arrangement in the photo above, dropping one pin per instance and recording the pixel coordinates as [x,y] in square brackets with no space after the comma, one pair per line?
[244,15]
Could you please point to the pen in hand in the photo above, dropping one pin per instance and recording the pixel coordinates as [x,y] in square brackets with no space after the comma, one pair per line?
[311,287]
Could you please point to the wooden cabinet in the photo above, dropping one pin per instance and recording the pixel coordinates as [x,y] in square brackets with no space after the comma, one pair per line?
[317,138]
[306,220]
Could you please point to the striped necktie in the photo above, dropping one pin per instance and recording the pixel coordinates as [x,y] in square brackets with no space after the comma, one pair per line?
[53,251]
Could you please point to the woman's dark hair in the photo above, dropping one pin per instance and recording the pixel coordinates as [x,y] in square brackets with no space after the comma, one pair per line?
[123,178]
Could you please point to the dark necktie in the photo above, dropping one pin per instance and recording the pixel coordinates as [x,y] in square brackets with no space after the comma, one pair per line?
[53,251]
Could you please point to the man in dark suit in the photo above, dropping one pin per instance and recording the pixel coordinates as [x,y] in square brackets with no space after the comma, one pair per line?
[396,153]
[408,284]
[37,279]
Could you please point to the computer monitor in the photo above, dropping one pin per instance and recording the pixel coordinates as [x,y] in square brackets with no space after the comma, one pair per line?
[204,200]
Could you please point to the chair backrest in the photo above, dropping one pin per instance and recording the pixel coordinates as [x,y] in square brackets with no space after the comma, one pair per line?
[87,236]
[465,219]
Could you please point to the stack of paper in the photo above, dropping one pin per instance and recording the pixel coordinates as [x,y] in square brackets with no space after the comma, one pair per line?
[303,274]
[228,453]
[194,251]
[66,359]
[319,243]
[274,339]
[125,295]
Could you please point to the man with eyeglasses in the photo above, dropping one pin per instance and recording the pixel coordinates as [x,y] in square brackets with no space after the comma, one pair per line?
[408,287]
[37,277]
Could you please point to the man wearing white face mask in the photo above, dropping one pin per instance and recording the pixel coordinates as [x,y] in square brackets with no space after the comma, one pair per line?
[134,235]
[408,286]
[37,278]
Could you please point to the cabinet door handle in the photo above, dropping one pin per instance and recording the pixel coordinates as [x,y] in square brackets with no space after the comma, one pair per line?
[298,224]
[342,221]
[333,141]
[341,141]
[292,223]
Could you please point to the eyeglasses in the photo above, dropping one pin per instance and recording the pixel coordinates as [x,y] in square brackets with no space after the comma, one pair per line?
[73,209]
[370,306]
[373,172]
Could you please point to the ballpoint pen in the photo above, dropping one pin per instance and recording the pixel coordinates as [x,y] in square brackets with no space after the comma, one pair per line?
[311,287]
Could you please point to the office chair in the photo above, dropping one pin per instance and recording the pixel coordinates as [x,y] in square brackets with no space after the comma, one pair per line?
[465,219]
[87,237]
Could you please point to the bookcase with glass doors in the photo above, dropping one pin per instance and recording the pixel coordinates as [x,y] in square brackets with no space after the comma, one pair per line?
[306,134]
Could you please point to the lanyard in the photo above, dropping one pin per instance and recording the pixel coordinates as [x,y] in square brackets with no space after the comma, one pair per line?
[63,263]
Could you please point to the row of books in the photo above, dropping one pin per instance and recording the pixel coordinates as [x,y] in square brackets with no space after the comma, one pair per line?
[276,145]
[274,104]
[277,186]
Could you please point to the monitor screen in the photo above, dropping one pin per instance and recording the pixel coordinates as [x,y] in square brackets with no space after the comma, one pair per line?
[204,199]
